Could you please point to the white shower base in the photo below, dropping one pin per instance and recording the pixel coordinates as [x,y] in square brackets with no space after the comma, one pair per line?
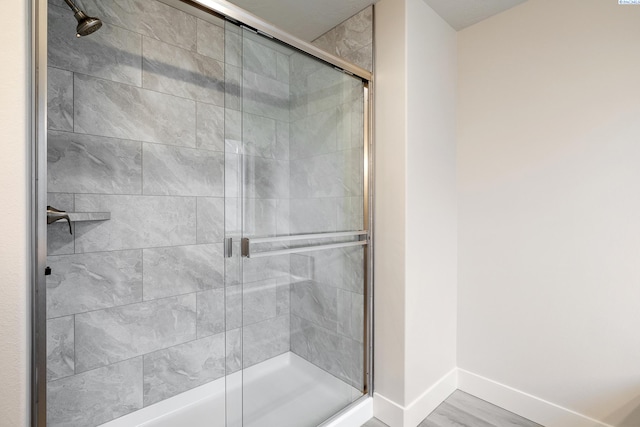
[285,391]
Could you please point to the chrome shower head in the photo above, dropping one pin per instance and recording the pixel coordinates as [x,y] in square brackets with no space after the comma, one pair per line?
[86,24]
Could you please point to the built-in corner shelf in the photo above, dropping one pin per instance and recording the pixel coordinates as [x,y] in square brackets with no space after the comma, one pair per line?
[88,216]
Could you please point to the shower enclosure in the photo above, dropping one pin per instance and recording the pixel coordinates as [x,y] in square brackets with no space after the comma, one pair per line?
[214,269]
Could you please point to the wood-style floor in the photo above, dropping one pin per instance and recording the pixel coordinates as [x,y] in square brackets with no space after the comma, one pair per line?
[463,410]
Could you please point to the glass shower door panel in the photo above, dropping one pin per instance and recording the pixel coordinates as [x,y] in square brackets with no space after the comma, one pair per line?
[302,307]
[233,224]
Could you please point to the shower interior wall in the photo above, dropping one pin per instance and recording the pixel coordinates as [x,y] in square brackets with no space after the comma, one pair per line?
[351,40]
[146,121]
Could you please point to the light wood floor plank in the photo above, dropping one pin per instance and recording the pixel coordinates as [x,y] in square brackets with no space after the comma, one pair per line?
[463,410]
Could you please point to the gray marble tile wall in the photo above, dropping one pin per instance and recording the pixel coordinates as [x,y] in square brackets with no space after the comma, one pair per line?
[327,311]
[169,122]
[264,295]
[145,122]
[351,40]
[326,194]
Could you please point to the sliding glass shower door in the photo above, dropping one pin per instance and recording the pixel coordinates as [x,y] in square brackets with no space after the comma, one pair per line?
[212,271]
[303,253]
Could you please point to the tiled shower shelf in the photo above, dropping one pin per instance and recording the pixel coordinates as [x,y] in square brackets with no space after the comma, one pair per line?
[89,216]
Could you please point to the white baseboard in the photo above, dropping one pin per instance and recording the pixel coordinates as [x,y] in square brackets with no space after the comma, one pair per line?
[395,415]
[388,411]
[533,408]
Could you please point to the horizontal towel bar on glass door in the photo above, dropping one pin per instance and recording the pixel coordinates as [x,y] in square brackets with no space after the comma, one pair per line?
[246,243]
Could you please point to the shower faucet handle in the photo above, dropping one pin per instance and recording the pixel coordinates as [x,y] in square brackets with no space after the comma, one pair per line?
[54,215]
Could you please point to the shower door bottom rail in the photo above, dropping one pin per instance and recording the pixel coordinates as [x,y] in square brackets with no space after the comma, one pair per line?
[247,253]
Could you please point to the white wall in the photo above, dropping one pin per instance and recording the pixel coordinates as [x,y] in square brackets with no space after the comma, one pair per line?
[14,72]
[415,208]
[549,192]
[390,198]
[431,242]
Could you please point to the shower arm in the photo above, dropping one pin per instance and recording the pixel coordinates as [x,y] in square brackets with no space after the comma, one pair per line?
[72,6]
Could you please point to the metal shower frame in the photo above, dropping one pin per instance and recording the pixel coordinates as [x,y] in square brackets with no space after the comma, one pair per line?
[38,184]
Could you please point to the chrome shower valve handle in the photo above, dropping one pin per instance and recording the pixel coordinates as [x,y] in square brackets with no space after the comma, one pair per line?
[54,215]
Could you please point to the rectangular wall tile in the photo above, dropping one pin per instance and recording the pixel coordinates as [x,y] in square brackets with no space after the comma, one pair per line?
[314,135]
[113,53]
[86,282]
[95,397]
[233,87]
[234,350]
[210,127]
[350,132]
[107,336]
[59,99]
[211,39]
[340,268]
[136,222]
[334,353]
[260,217]
[150,18]
[111,109]
[259,58]
[255,269]
[315,302]
[266,178]
[259,301]
[282,67]
[183,367]
[233,306]
[362,57]
[178,171]
[264,96]
[325,89]
[283,219]
[351,36]
[350,213]
[312,215]
[301,66]
[232,218]
[211,312]
[232,46]
[168,69]
[351,315]
[336,174]
[357,31]
[182,269]
[233,131]
[259,136]
[80,163]
[282,140]
[210,219]
[232,175]
[283,296]
[264,340]
[60,348]
[59,240]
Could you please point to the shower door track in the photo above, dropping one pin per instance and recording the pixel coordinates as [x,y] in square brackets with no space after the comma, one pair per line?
[38,181]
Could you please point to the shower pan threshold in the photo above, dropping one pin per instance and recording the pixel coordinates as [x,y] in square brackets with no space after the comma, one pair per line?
[285,391]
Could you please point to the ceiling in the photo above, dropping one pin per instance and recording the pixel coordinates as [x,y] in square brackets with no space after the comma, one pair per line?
[309,19]
[463,13]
